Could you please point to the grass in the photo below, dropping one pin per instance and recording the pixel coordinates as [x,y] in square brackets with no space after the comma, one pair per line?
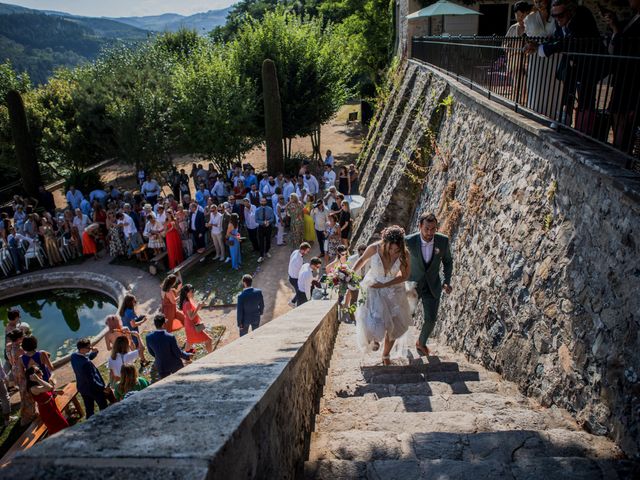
[216,283]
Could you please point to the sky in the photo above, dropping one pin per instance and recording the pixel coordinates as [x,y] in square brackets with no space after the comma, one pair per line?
[123,8]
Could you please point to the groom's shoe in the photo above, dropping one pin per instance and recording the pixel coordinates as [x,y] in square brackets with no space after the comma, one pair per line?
[422,351]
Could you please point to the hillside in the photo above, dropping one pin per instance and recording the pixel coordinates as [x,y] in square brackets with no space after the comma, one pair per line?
[200,22]
[38,43]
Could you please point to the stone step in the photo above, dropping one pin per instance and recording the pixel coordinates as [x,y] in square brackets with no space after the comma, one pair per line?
[448,421]
[545,468]
[371,370]
[503,447]
[473,402]
[422,388]
[357,378]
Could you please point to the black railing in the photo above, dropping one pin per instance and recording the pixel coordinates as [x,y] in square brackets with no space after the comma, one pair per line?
[587,85]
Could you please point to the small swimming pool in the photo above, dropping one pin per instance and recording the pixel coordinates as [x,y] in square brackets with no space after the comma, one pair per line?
[60,316]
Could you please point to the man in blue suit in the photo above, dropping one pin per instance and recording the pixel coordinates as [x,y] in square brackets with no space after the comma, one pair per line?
[250,306]
[89,382]
[164,347]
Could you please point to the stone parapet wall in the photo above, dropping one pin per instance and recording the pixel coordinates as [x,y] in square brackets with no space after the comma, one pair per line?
[244,411]
[544,231]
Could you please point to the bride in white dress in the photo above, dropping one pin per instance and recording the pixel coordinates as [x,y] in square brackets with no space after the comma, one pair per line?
[385,314]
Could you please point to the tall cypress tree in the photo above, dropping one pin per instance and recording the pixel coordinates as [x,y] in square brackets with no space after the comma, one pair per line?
[272,117]
[25,150]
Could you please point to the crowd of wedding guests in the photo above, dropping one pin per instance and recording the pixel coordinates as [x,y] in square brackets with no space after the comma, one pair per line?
[300,210]
[570,88]
[204,208]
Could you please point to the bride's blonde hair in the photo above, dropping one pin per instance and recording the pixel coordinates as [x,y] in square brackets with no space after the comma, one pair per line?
[394,235]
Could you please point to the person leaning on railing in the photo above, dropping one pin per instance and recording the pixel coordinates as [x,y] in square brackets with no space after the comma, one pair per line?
[573,22]
[625,98]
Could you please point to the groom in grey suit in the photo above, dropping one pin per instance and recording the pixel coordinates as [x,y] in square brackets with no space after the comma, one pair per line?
[429,251]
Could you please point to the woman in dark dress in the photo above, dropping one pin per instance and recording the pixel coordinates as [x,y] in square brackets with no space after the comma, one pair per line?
[344,182]
[354,177]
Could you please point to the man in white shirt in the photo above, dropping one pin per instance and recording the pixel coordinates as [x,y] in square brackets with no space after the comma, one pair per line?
[287,188]
[80,221]
[269,188]
[129,230]
[218,190]
[329,159]
[161,216]
[150,189]
[296,260]
[311,184]
[215,223]
[251,224]
[306,281]
[329,177]
[319,215]
[74,197]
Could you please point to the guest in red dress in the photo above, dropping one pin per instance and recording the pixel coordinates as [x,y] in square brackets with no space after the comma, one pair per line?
[88,240]
[174,242]
[169,292]
[193,326]
[43,395]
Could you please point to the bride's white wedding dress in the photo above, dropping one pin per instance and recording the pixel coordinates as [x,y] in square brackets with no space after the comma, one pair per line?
[384,309]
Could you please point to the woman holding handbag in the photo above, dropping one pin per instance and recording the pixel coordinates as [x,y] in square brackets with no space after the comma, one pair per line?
[193,326]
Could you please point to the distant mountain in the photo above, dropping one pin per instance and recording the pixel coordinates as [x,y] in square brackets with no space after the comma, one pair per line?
[38,42]
[155,23]
[200,22]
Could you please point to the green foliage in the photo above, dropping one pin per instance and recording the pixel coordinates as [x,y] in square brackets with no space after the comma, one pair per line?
[311,70]
[364,25]
[447,104]
[214,107]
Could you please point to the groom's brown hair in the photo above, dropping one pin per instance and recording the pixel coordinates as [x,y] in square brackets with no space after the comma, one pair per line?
[428,217]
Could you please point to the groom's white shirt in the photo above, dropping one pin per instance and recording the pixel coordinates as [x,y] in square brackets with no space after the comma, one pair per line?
[427,249]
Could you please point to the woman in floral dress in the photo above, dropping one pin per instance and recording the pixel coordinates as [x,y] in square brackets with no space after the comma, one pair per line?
[117,244]
[295,211]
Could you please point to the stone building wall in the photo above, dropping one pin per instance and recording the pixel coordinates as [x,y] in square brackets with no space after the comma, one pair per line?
[546,243]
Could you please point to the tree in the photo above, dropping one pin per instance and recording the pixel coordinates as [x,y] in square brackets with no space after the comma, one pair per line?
[24,149]
[272,117]
[214,107]
[311,69]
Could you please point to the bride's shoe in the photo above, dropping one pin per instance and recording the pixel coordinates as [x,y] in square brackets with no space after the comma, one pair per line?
[422,351]
[386,360]
[375,347]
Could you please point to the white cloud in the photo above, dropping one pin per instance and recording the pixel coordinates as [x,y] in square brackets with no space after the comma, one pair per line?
[124,8]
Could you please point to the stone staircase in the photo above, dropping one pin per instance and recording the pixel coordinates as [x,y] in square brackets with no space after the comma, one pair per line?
[444,419]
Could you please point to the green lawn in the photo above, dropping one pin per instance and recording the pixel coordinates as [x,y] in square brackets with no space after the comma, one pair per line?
[216,283]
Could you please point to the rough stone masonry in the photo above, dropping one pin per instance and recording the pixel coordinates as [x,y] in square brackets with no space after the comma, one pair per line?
[545,234]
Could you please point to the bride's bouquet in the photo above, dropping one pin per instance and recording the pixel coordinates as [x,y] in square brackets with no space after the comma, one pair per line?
[343,279]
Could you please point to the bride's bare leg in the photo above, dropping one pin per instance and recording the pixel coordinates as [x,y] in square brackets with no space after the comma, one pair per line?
[388,345]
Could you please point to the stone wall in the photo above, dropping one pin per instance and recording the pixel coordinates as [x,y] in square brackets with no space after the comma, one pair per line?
[545,238]
[244,411]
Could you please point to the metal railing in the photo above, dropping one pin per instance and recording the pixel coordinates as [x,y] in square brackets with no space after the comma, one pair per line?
[586,86]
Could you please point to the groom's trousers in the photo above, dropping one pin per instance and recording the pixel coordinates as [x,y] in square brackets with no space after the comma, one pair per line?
[430,306]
